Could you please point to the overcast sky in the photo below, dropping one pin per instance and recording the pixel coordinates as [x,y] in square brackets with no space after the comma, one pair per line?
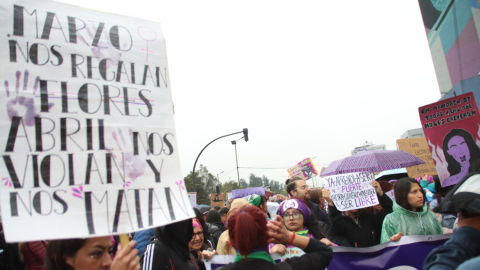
[307,78]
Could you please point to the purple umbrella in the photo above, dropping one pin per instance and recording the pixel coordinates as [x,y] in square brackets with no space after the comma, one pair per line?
[373,161]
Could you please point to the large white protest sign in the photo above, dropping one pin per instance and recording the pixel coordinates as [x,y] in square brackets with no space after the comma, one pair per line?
[351,190]
[87,131]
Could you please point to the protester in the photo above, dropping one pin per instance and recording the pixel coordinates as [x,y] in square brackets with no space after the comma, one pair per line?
[360,229]
[297,188]
[216,208]
[204,211]
[258,201]
[298,218]
[91,254]
[317,198]
[199,217]
[250,234]
[462,250]
[223,246]
[169,249]
[410,214]
[223,214]
[33,254]
[197,247]
[10,256]
[215,228]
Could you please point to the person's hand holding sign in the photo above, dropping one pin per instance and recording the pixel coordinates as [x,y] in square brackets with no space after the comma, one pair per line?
[126,258]
[396,237]
[326,196]
[377,188]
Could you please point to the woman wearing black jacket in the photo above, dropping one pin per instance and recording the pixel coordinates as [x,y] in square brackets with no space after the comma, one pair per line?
[361,230]
[251,243]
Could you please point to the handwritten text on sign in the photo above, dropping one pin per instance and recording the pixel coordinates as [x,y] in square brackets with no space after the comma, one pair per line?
[351,191]
[87,132]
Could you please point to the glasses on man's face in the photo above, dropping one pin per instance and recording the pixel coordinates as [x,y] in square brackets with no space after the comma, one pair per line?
[303,187]
[295,215]
[199,234]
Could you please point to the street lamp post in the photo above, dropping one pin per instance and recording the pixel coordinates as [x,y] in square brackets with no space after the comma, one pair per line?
[236,158]
[218,178]
[245,135]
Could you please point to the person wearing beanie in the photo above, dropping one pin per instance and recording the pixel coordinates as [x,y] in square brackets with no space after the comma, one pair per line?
[298,218]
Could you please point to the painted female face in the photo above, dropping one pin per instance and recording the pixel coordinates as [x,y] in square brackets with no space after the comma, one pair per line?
[415,197]
[293,219]
[458,149]
[197,240]
[94,255]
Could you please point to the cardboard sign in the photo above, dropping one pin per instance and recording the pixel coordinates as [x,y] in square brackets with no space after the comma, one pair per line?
[304,169]
[452,129]
[419,148]
[240,193]
[217,200]
[351,190]
[88,138]
[192,197]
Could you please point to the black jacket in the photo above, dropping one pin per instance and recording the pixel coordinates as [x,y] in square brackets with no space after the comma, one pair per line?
[318,212]
[318,256]
[367,232]
[170,250]
[333,236]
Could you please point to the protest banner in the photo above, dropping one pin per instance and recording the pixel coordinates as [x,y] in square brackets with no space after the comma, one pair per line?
[89,146]
[217,200]
[192,197]
[452,129]
[419,148]
[351,190]
[389,255]
[304,169]
[240,193]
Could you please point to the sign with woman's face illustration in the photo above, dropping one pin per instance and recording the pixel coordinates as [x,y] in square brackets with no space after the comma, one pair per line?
[451,127]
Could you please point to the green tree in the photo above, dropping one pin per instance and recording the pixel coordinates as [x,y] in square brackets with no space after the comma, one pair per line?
[254,181]
[243,183]
[205,184]
[229,186]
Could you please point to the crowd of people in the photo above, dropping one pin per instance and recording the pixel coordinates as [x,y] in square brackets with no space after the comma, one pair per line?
[303,231]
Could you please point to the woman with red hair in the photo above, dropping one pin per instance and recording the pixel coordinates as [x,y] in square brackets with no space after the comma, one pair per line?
[250,234]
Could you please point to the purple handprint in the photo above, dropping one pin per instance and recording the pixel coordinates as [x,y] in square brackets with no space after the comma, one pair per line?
[23,103]
[134,165]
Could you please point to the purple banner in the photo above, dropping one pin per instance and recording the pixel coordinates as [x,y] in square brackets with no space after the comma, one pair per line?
[410,253]
[240,193]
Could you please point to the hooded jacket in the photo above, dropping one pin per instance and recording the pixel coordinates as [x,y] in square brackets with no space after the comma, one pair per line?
[410,223]
[172,251]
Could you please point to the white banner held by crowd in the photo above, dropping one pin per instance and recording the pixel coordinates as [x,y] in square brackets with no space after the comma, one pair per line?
[88,138]
[351,190]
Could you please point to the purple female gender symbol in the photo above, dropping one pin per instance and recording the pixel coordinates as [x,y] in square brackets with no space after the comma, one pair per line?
[147,40]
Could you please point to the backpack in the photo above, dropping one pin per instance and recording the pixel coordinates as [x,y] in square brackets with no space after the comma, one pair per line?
[212,235]
[9,257]
[165,255]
